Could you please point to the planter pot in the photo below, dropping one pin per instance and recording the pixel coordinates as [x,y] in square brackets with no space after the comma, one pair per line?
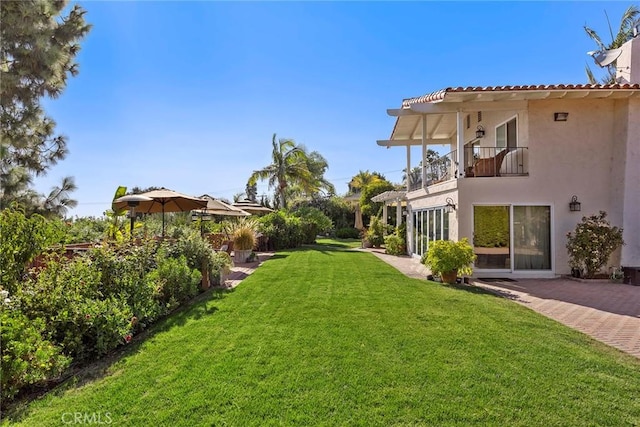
[449,276]
[366,244]
[241,255]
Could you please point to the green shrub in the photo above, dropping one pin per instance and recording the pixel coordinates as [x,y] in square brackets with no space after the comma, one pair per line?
[190,244]
[348,233]
[88,229]
[77,316]
[335,208]
[174,281]
[313,222]
[394,245]
[282,229]
[445,256]
[375,233]
[22,239]
[592,243]
[27,358]
[123,269]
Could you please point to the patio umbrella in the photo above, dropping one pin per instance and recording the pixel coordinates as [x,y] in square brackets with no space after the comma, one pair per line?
[252,207]
[358,224]
[218,207]
[131,201]
[165,200]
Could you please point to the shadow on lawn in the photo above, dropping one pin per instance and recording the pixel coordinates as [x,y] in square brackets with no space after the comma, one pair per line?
[80,375]
[481,291]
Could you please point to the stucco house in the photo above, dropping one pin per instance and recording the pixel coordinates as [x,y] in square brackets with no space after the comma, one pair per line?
[519,155]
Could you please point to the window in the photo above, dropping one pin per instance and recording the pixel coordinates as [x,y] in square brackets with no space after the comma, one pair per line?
[430,224]
[507,134]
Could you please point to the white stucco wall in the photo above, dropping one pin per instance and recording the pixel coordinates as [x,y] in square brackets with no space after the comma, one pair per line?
[594,155]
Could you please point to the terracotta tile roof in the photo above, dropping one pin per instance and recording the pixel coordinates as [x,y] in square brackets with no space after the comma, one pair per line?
[440,94]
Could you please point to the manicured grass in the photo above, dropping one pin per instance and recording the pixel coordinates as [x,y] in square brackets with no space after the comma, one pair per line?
[326,336]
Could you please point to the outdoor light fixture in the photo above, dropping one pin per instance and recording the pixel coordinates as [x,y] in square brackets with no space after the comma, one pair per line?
[479,132]
[574,205]
[451,206]
[560,117]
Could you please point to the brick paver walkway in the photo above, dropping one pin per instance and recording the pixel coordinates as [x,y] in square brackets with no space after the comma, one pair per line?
[608,312]
[242,270]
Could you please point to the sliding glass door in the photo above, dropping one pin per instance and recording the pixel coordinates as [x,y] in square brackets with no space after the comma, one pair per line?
[512,237]
[532,237]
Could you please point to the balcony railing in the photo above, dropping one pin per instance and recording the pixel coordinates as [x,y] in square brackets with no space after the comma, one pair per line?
[480,161]
[442,169]
[496,161]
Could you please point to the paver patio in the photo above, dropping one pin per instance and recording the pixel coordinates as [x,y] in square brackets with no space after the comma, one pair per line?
[608,312]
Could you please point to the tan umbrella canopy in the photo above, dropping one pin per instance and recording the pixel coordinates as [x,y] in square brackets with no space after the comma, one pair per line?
[252,207]
[131,201]
[164,200]
[218,207]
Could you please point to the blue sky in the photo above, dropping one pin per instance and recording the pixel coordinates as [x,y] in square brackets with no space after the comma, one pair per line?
[187,95]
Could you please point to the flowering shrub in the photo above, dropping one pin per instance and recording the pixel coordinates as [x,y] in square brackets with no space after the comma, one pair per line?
[592,243]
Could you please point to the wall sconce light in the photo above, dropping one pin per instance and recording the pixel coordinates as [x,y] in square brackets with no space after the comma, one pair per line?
[574,205]
[479,132]
[451,206]
[560,117]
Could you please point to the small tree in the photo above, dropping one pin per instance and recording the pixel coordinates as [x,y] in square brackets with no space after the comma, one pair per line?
[592,243]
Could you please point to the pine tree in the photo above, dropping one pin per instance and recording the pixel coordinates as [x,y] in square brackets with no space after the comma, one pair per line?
[38,46]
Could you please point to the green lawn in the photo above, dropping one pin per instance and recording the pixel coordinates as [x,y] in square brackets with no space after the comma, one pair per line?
[327,336]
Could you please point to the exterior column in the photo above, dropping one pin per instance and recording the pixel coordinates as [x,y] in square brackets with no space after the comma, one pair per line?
[408,166]
[384,213]
[424,151]
[398,213]
[460,145]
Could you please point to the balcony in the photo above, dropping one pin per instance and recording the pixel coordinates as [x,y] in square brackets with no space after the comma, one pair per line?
[496,161]
[481,162]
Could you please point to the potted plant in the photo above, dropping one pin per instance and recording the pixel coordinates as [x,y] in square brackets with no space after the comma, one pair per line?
[243,235]
[222,264]
[447,259]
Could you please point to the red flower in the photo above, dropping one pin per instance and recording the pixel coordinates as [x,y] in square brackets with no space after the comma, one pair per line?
[128,338]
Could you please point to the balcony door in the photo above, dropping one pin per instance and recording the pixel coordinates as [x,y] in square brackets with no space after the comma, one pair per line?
[512,237]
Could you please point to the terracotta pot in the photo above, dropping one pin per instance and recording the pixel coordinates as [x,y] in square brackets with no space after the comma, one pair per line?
[449,276]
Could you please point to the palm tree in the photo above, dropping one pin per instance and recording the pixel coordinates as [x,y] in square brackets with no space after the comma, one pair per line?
[317,166]
[625,33]
[363,179]
[289,167]
[414,176]
[58,202]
